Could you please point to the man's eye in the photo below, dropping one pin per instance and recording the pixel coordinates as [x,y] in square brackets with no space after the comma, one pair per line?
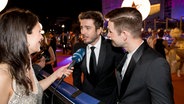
[87,28]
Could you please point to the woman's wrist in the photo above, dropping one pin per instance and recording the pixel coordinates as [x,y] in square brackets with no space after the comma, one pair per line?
[54,76]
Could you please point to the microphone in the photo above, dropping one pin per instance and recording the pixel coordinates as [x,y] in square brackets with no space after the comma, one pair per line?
[76,58]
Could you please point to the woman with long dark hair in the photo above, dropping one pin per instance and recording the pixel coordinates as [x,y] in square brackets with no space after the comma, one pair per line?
[20,36]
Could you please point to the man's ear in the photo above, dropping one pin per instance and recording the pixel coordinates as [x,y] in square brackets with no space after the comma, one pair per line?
[124,35]
[99,31]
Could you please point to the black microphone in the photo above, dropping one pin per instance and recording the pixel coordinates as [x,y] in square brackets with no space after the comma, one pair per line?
[76,58]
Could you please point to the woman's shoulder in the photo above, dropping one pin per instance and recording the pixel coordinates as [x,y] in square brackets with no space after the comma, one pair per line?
[5,79]
[5,75]
[4,68]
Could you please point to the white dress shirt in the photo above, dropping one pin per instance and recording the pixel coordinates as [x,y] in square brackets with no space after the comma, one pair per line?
[129,56]
[96,50]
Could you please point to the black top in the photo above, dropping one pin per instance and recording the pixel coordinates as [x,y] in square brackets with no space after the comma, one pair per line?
[159,47]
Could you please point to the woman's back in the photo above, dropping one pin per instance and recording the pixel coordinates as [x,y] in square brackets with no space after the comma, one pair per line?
[159,47]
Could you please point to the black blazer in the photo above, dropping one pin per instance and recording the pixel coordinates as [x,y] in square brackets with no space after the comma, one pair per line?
[104,89]
[147,79]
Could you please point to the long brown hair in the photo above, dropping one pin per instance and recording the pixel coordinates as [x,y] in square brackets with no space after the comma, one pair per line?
[15,24]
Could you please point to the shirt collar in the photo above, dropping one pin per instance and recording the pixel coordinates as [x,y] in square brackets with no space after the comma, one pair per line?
[97,45]
[131,53]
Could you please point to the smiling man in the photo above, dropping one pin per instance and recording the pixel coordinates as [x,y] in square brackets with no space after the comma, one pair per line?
[144,77]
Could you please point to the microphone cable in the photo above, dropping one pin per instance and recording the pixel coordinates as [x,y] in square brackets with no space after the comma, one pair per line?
[61,80]
[55,88]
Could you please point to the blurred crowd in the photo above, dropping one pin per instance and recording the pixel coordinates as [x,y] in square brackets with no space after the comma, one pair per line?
[170,43]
